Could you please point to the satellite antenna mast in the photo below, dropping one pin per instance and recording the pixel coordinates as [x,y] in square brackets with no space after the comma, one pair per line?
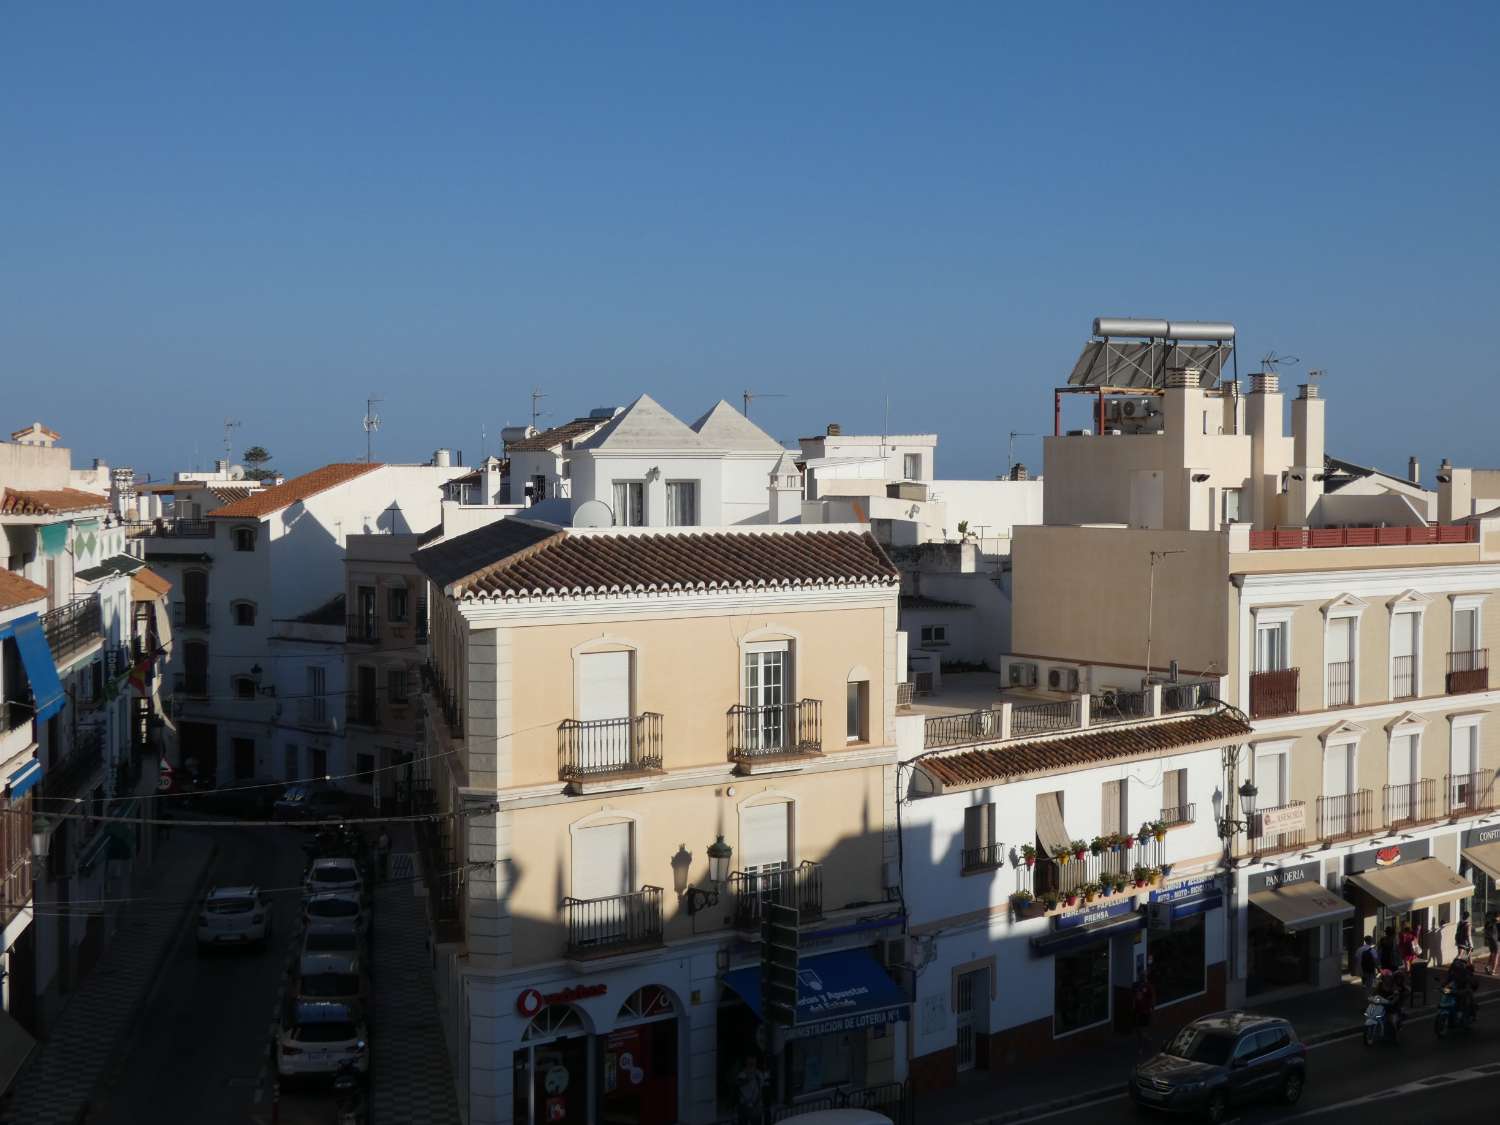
[230,425]
[371,424]
[751,396]
[1010,452]
[536,410]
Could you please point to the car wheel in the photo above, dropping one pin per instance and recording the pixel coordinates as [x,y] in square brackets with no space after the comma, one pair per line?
[1291,1087]
[1218,1108]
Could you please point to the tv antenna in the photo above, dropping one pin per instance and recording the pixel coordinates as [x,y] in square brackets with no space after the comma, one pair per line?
[536,411]
[751,396]
[1271,361]
[371,424]
[1315,376]
[1010,450]
[230,425]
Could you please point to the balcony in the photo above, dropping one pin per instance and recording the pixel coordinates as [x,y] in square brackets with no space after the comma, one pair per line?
[1470,793]
[73,627]
[190,615]
[1468,671]
[1297,538]
[905,692]
[171,529]
[1411,802]
[191,685]
[446,698]
[1273,693]
[1278,828]
[73,775]
[362,628]
[1042,718]
[15,857]
[1188,695]
[313,711]
[800,886]
[442,873]
[1119,707]
[591,749]
[775,731]
[985,858]
[1340,683]
[1346,815]
[1403,677]
[955,730]
[1180,815]
[602,927]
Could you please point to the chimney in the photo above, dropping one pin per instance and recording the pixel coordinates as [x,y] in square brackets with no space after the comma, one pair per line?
[1305,483]
[1183,377]
[834,430]
[1265,383]
[1414,471]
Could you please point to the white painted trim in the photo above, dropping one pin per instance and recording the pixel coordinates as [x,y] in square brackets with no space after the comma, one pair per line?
[1341,610]
[1464,603]
[1351,781]
[1406,723]
[1345,605]
[674,603]
[1371,583]
[1404,607]
[604,642]
[1341,734]
[770,797]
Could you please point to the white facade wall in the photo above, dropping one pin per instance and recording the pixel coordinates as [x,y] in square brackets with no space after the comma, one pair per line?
[733,488]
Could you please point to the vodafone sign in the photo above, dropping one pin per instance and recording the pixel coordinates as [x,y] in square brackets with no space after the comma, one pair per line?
[531,1001]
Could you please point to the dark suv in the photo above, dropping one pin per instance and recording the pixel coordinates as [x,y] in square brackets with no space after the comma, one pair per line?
[1220,1061]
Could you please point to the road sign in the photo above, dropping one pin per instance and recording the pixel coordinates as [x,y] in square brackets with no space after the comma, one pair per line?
[778,965]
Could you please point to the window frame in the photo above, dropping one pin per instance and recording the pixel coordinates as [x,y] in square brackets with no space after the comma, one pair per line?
[234,613]
[857,702]
[237,683]
[934,636]
[1279,620]
[394,676]
[1467,603]
[242,533]
[627,489]
[906,466]
[1398,612]
[392,593]
[674,501]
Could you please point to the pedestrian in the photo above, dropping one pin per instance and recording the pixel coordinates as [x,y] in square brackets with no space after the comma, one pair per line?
[1463,935]
[1492,939]
[1408,946]
[1388,949]
[1434,944]
[1368,962]
[749,1102]
[1145,1004]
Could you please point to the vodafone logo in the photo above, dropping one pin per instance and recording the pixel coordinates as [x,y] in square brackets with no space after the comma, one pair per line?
[531,1001]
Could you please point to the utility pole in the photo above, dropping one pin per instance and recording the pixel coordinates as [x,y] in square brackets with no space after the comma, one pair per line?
[1156,557]
[751,396]
[371,424]
[536,410]
[1010,451]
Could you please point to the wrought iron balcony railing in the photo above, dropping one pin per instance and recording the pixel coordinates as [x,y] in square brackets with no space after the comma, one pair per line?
[590,748]
[1346,814]
[362,628]
[1340,683]
[800,886]
[73,627]
[1273,693]
[1403,677]
[1039,718]
[1410,802]
[1470,792]
[598,927]
[1468,671]
[775,730]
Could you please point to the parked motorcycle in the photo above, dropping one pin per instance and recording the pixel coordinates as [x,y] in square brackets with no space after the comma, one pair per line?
[1452,1014]
[1380,1020]
[349,1096]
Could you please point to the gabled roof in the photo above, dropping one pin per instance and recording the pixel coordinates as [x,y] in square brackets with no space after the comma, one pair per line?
[557,435]
[645,424]
[147,585]
[518,559]
[724,427]
[1105,744]
[266,501]
[48,501]
[35,428]
[16,590]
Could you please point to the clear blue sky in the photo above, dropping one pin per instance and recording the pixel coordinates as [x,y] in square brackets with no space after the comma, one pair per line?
[270,210]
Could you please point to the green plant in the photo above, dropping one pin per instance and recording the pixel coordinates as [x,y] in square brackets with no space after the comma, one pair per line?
[1159,828]
[1141,875]
[1080,849]
[1021,899]
[1049,899]
[1097,845]
[1028,854]
[963,527]
[1155,874]
[1090,891]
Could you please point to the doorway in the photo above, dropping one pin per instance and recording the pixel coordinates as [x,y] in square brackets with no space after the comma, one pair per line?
[973,1011]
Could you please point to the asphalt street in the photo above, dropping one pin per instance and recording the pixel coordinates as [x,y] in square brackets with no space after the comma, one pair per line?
[201,1047]
[1421,1079]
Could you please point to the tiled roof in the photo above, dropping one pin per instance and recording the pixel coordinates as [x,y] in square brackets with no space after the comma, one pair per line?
[15,590]
[231,492]
[153,582]
[265,501]
[35,428]
[48,501]
[557,435]
[539,560]
[1102,744]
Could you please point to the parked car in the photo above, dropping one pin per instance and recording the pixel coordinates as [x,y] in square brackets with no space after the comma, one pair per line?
[317,1037]
[331,941]
[335,911]
[339,977]
[235,916]
[334,873]
[1221,1061]
[316,801]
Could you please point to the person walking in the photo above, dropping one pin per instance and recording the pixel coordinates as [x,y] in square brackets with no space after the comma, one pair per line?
[1408,946]
[1368,962]
[1492,939]
[1463,936]
[1387,949]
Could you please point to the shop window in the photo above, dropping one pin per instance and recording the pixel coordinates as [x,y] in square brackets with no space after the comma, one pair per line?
[821,1062]
[639,1074]
[1081,989]
[1177,960]
[396,604]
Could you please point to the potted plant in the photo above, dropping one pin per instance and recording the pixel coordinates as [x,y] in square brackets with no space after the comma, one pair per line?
[1159,829]
[1120,882]
[1141,875]
[1021,901]
[1096,845]
[1065,857]
[1070,897]
[1049,900]
[1028,853]
[1080,849]
[1128,841]
[1114,841]
[1090,891]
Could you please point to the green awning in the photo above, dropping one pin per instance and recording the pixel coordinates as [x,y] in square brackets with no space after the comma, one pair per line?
[54,537]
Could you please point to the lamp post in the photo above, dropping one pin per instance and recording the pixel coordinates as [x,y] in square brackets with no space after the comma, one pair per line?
[719,855]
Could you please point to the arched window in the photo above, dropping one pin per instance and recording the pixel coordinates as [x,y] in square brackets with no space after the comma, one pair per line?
[653,1002]
[554,1022]
[195,668]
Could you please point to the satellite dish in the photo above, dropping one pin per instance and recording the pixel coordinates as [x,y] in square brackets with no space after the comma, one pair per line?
[593,513]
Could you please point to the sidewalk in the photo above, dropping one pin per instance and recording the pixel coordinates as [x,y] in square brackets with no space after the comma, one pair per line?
[998,1097]
[411,1076]
[92,1030]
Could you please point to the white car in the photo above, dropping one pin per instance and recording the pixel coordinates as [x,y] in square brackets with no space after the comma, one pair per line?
[335,912]
[318,1037]
[234,916]
[337,874]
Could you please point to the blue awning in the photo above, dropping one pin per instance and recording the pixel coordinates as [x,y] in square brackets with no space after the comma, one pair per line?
[1065,941]
[46,688]
[835,992]
[21,781]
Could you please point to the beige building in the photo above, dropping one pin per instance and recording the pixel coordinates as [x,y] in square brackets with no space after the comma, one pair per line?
[637,739]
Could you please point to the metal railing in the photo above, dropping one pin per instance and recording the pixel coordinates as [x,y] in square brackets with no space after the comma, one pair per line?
[800,886]
[1468,671]
[15,855]
[982,858]
[955,730]
[446,698]
[15,713]
[1039,718]
[775,729]
[893,1099]
[1188,695]
[1403,677]
[600,926]
[1273,693]
[362,628]
[1181,814]
[313,710]
[600,747]
[1345,815]
[190,615]
[1410,802]
[1261,840]
[904,694]
[171,529]
[1340,683]
[1295,538]
[1470,792]
[72,627]
[442,873]
[1119,707]
[70,776]
[192,685]
[1068,878]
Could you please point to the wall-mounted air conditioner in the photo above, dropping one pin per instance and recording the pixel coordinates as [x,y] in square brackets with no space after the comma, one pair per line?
[1021,674]
[1062,679]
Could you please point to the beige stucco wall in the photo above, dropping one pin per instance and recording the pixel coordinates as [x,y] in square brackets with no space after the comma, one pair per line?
[837,820]
[688,669]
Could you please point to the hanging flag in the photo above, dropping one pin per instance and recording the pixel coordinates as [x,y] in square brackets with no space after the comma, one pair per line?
[138,674]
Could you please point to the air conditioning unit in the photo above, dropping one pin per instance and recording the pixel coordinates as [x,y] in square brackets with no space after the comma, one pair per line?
[1136,408]
[1022,674]
[1062,679]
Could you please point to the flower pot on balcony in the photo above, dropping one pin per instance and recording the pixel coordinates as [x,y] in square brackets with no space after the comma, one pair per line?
[1079,854]
[1071,898]
[1129,841]
[1160,834]
[1031,861]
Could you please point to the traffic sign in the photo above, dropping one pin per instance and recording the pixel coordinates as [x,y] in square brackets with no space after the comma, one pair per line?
[778,965]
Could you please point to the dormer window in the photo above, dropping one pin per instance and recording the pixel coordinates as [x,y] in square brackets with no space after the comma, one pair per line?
[243,538]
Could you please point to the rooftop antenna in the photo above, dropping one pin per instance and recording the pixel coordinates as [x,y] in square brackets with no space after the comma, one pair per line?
[751,396]
[371,424]
[536,410]
[1271,361]
[1010,450]
[230,425]
[1315,376]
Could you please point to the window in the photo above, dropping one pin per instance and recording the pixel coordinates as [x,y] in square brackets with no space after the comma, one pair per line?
[1403,768]
[395,604]
[317,761]
[911,466]
[602,860]
[1232,504]
[934,635]
[364,612]
[1406,635]
[1174,799]
[1114,817]
[979,837]
[1270,779]
[856,711]
[364,766]
[195,668]
[766,837]
[364,694]
[1338,769]
[315,706]
[766,676]
[603,686]
[630,503]
[1465,629]
[682,503]
[1340,660]
[244,758]
[243,538]
[1463,761]
[1271,651]
[244,687]
[1081,988]
[395,686]
[243,612]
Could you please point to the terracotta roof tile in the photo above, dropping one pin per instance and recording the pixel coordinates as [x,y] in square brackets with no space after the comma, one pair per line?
[557,435]
[265,501]
[48,501]
[16,590]
[152,581]
[515,558]
[1103,744]
[35,428]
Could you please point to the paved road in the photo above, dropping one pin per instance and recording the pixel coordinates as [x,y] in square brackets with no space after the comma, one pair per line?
[1422,1079]
[201,1046]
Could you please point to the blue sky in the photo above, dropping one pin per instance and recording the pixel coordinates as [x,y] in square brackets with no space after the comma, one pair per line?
[270,211]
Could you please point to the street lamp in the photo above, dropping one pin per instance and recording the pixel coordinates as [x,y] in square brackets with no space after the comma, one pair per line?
[1228,826]
[719,855]
[41,836]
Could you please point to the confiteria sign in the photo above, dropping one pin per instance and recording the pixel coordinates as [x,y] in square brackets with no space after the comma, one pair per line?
[531,1001]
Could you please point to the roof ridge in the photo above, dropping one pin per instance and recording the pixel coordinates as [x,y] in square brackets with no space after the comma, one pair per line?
[512,559]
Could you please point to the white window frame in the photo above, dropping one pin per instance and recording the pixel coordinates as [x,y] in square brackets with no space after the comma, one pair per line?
[1409,604]
[1461,604]
[1466,722]
[1339,741]
[770,797]
[1239,504]
[1278,617]
[606,643]
[1281,751]
[1405,728]
[598,819]
[906,461]
[1345,608]
[672,513]
[929,635]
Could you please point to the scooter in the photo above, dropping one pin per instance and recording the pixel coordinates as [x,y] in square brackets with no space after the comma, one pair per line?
[1380,1020]
[349,1095]
[1451,1014]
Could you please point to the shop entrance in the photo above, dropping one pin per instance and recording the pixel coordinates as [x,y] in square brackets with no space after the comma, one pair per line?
[551,1069]
[1279,957]
[638,1067]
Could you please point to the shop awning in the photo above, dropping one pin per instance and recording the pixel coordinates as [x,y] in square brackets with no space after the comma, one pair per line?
[1051,832]
[1065,941]
[16,1045]
[23,780]
[46,688]
[1486,857]
[835,992]
[115,840]
[1412,885]
[1300,906]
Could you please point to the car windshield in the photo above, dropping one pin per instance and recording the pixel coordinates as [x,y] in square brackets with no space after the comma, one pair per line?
[295,794]
[231,905]
[330,984]
[330,943]
[1201,1046]
[333,908]
[333,1031]
[335,875]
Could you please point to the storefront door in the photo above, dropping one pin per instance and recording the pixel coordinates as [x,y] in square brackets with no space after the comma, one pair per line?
[973,1004]
[552,1082]
[638,1064]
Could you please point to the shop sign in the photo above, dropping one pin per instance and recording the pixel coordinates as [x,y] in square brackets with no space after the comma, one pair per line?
[1288,818]
[1090,914]
[1391,856]
[1188,898]
[1285,876]
[1186,890]
[1474,837]
[531,1000]
[857,1022]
